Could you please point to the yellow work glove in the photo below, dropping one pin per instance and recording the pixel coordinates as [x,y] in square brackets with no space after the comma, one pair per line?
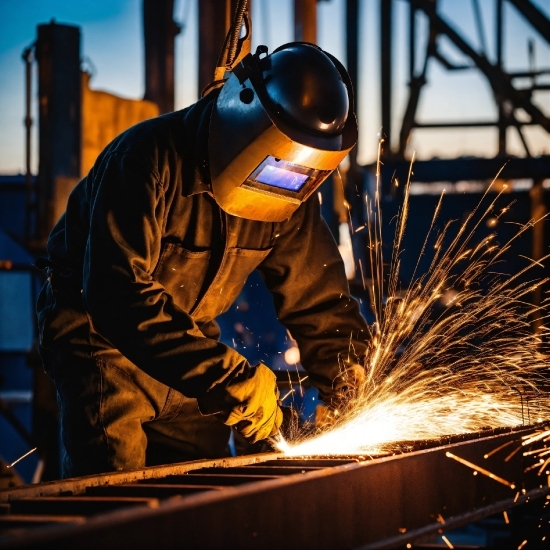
[257,415]
[346,390]
[347,386]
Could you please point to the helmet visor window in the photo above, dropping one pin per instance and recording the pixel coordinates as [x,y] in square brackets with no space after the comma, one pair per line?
[285,175]
[281,177]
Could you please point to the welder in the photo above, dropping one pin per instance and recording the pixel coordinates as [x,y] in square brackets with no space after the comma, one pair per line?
[158,240]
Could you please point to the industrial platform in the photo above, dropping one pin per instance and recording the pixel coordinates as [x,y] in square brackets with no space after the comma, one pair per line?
[269,501]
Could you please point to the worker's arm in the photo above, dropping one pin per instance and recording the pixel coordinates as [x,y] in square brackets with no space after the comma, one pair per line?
[306,276]
[132,310]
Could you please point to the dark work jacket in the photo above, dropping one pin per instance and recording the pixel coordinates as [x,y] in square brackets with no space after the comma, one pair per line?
[158,261]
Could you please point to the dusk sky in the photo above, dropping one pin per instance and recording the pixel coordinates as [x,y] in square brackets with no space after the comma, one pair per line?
[112,47]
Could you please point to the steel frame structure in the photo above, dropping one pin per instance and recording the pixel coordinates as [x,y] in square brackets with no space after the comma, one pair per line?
[267,501]
[508,96]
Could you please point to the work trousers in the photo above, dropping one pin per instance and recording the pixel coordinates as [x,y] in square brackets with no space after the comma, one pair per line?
[113,415]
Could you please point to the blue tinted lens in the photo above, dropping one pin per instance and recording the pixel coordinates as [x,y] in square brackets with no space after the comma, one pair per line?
[282,178]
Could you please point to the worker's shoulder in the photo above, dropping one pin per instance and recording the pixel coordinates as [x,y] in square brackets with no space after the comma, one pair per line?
[171,136]
[149,137]
[165,144]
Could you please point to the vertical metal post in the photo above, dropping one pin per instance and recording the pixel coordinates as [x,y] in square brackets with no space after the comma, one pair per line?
[502,119]
[214,21]
[538,211]
[354,180]
[28,57]
[412,39]
[59,98]
[305,21]
[160,30]
[386,68]
[352,59]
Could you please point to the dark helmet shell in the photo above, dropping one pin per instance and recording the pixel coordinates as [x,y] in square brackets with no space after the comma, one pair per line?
[304,85]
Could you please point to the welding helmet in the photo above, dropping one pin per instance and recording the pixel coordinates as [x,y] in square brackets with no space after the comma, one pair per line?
[281,124]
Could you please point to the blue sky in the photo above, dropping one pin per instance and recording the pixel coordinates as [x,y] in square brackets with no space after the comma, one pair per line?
[112,47]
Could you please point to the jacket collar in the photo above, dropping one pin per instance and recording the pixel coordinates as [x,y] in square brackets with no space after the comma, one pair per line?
[197,123]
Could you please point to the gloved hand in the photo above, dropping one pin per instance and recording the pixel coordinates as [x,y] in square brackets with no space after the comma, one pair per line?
[290,426]
[346,387]
[257,414]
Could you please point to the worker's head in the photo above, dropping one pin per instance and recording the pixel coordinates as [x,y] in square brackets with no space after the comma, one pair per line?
[281,124]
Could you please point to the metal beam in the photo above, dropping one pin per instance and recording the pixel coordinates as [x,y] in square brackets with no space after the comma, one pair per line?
[539,244]
[466,124]
[497,78]
[214,21]
[159,31]
[59,94]
[380,503]
[352,60]
[348,187]
[412,40]
[305,21]
[502,122]
[386,68]
[415,82]
[453,170]
[78,485]
[28,58]
[534,16]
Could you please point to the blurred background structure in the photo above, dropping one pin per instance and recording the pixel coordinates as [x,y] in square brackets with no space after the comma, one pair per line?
[463,83]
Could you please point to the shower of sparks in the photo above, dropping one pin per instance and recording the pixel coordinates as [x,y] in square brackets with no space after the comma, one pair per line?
[539,437]
[499,448]
[479,469]
[21,458]
[475,366]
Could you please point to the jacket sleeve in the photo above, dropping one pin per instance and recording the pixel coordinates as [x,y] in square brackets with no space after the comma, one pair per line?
[305,273]
[128,306]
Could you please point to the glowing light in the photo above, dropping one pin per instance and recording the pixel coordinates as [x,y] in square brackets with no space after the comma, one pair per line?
[292,356]
[472,367]
[480,470]
[499,448]
[21,458]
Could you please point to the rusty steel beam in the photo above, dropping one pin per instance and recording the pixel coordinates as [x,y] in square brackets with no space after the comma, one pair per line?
[214,21]
[159,33]
[59,117]
[305,21]
[78,485]
[380,503]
